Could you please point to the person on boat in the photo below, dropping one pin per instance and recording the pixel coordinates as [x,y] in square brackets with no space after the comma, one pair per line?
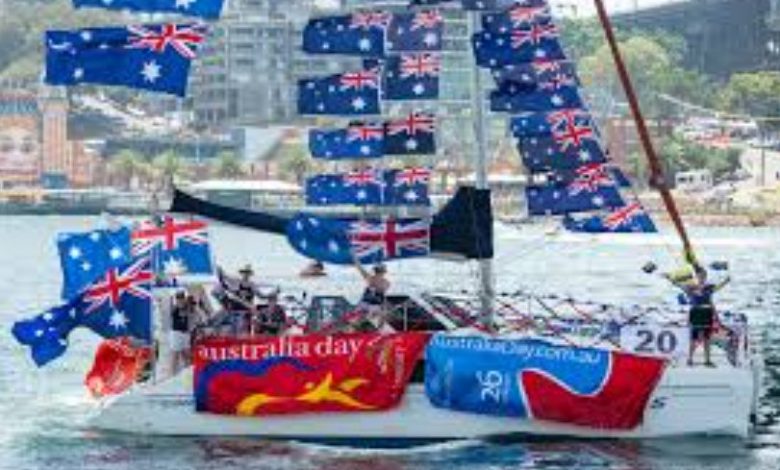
[373,302]
[272,317]
[240,297]
[182,316]
[314,269]
[702,314]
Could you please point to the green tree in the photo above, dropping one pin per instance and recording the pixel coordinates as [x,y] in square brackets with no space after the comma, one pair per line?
[682,155]
[168,166]
[229,165]
[295,162]
[756,94]
[126,166]
[654,71]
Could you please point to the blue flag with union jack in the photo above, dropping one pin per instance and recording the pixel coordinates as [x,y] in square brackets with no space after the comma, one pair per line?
[412,135]
[590,188]
[117,304]
[348,94]
[416,32]
[210,9]
[371,241]
[359,140]
[411,76]
[549,75]
[519,46]
[518,16]
[175,246]
[362,34]
[370,186]
[631,218]
[85,256]
[151,57]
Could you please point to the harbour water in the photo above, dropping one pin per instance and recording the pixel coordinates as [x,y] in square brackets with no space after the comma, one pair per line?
[43,412]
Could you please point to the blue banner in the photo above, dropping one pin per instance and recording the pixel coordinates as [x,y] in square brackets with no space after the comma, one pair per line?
[535,379]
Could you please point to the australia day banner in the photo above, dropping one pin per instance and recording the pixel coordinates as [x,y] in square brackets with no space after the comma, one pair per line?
[299,374]
[533,379]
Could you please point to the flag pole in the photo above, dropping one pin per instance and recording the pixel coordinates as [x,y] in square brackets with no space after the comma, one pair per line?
[657,178]
[486,288]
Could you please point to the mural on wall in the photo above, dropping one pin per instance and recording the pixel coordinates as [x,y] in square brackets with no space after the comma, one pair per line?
[20,148]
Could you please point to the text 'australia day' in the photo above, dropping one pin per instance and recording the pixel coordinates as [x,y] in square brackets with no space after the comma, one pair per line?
[323,346]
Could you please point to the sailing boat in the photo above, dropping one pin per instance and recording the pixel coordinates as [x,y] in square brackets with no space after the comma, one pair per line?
[470,372]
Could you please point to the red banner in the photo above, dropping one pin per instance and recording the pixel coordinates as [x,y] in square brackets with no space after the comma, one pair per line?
[116,367]
[311,373]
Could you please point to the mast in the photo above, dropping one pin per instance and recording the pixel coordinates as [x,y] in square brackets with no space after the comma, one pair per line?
[657,179]
[486,288]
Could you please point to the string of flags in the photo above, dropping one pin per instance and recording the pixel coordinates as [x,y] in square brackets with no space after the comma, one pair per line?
[556,135]
[402,61]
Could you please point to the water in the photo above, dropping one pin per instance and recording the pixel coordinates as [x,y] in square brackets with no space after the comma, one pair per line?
[42,412]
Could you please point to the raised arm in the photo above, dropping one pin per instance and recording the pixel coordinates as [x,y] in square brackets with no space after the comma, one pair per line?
[723,283]
[366,275]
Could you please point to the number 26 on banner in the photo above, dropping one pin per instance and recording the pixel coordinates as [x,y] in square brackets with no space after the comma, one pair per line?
[656,340]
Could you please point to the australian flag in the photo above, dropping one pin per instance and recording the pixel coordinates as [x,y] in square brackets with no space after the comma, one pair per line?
[86,256]
[150,57]
[416,32]
[210,9]
[370,187]
[570,127]
[351,93]
[517,17]
[175,246]
[539,42]
[591,189]
[361,34]
[631,218]
[547,153]
[549,75]
[358,141]
[415,134]
[515,99]
[412,76]
[476,5]
[117,304]
[371,241]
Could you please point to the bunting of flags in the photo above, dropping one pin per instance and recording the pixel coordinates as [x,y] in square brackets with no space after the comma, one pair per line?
[370,186]
[555,133]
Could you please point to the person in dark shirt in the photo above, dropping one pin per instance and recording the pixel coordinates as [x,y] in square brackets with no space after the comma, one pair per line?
[702,313]
[272,318]
[374,298]
[181,325]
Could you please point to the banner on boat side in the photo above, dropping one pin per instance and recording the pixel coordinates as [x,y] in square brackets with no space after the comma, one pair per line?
[299,374]
[534,379]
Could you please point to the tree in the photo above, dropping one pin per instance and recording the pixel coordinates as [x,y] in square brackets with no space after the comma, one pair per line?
[229,165]
[682,155]
[295,162]
[654,70]
[128,166]
[168,166]
[756,94]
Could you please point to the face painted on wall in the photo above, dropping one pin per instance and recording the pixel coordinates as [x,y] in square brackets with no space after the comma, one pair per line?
[19,150]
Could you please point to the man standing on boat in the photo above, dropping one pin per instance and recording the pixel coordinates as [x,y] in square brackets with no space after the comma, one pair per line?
[374,298]
[702,313]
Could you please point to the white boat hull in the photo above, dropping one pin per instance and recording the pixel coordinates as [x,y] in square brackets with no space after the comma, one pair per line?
[688,401]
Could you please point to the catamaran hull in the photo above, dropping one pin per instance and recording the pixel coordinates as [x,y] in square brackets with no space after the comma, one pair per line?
[688,401]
